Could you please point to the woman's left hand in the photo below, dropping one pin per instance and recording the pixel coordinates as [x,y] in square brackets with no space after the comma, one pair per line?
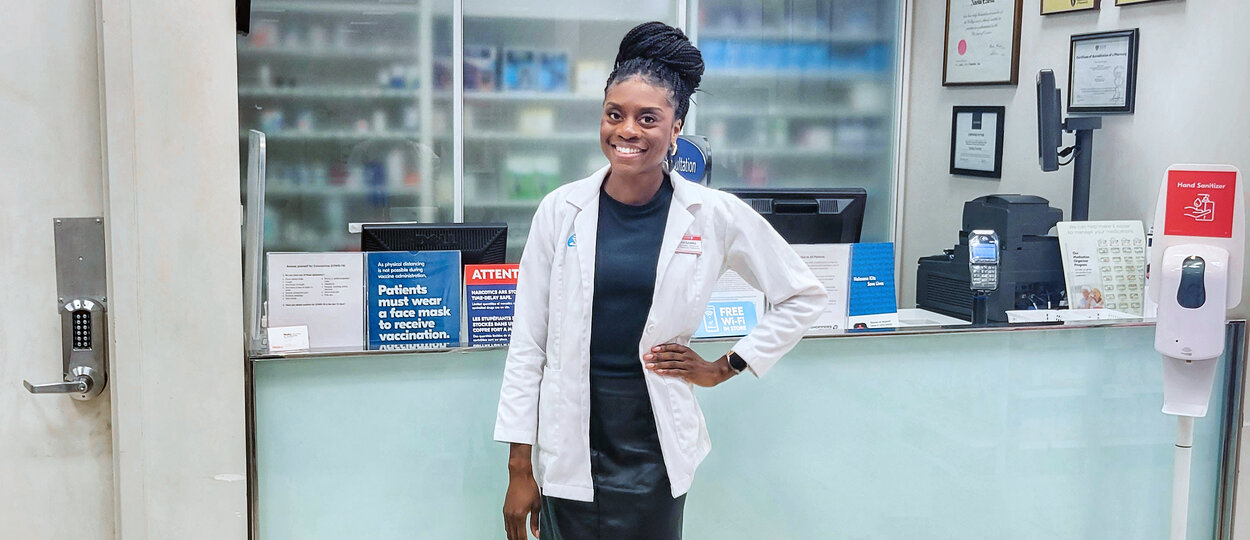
[674,360]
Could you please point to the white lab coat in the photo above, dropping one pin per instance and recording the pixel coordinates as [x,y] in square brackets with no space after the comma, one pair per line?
[545,399]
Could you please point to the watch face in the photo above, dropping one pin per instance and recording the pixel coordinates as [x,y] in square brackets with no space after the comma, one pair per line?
[736,362]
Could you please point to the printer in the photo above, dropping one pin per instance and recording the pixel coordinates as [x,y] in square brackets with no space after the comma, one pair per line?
[1030,266]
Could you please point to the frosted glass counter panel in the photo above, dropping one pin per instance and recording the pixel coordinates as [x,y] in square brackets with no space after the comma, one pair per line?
[1050,434]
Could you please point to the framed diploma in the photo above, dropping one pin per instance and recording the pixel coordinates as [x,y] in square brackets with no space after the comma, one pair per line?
[1050,7]
[1102,72]
[977,141]
[982,42]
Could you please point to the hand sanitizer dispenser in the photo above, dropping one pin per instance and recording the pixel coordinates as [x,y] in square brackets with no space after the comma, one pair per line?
[1196,273]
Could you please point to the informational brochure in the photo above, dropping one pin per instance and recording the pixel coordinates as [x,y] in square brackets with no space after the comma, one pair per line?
[871,301]
[322,291]
[490,302]
[412,299]
[733,310]
[1104,264]
[831,263]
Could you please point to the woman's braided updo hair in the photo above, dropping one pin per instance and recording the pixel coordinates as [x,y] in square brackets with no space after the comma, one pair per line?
[661,55]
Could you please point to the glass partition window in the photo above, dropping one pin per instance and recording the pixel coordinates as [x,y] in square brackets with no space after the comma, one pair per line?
[533,94]
[801,94]
[353,96]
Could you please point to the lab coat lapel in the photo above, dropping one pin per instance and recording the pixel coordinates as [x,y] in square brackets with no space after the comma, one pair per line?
[679,219]
[585,197]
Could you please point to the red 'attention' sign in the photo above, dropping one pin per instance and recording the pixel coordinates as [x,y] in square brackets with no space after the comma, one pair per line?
[1200,203]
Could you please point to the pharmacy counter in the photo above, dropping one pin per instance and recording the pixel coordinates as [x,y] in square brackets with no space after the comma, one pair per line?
[1024,433]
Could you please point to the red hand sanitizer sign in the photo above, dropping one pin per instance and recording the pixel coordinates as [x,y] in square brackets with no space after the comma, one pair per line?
[1200,203]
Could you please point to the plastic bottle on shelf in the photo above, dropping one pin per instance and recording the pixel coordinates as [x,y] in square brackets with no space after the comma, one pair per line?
[395,167]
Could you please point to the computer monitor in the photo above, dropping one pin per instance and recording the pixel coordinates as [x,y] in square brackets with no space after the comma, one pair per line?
[478,243]
[810,215]
[1049,121]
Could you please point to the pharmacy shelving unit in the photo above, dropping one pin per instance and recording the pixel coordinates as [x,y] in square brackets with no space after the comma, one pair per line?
[345,93]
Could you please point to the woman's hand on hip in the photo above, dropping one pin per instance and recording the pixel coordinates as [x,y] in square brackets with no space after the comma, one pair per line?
[675,360]
[523,499]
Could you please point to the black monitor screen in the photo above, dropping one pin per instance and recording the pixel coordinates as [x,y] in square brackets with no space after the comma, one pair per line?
[478,243]
[810,215]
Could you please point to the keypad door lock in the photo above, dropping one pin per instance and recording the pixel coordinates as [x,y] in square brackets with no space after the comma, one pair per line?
[82,307]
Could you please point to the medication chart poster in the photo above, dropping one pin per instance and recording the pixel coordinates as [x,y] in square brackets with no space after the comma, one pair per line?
[413,299]
[490,302]
[1104,264]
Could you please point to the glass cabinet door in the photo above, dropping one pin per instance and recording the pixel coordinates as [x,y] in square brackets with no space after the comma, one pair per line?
[800,93]
[354,98]
[533,93]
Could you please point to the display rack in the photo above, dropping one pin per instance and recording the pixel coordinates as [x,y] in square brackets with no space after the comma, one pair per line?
[795,93]
[344,92]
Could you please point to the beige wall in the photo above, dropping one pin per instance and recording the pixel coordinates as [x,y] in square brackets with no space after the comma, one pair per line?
[1192,107]
[172,209]
[55,453]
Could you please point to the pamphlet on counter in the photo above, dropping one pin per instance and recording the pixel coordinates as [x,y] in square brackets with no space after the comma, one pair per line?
[831,265]
[871,299]
[1104,264]
[321,291]
[412,299]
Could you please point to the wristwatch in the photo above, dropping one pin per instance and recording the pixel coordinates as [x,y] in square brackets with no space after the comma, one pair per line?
[736,363]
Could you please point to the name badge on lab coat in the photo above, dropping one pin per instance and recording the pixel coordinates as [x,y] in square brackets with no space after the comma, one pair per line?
[691,244]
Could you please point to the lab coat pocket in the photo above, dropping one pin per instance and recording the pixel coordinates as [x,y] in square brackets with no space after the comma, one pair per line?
[548,409]
[686,275]
[685,417]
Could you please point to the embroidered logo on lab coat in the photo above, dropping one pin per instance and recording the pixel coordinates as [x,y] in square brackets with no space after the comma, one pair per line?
[572,240]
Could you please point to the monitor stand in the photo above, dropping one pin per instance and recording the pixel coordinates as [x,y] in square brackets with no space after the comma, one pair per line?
[1084,128]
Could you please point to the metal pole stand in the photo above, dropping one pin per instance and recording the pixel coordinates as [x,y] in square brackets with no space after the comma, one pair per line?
[1084,128]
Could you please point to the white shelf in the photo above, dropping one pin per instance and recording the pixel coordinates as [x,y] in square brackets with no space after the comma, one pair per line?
[775,34]
[338,135]
[293,190]
[531,97]
[331,92]
[756,75]
[381,9]
[798,111]
[329,53]
[515,137]
[796,153]
[503,205]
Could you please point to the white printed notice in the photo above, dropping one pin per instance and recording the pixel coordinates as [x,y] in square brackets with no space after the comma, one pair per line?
[733,310]
[321,291]
[831,264]
[1104,264]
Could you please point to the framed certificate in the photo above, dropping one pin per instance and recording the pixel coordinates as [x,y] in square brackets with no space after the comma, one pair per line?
[977,141]
[982,42]
[1102,72]
[1050,7]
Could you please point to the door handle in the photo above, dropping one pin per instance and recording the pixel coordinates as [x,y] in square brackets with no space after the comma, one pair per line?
[80,283]
[82,382]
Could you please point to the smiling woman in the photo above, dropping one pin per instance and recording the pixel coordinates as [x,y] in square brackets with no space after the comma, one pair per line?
[633,252]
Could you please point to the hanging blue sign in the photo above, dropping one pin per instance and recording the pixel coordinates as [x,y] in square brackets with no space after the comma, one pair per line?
[691,161]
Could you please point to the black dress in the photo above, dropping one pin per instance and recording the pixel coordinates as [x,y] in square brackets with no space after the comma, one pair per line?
[633,498]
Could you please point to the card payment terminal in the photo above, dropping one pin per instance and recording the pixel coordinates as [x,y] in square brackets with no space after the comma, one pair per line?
[983,260]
